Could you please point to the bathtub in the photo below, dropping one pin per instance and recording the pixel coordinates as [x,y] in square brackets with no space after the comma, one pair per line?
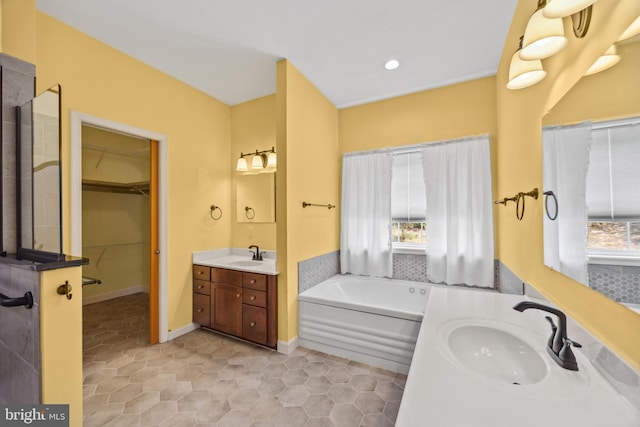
[370,320]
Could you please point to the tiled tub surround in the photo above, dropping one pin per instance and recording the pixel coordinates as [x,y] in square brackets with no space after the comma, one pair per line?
[371,320]
[437,383]
[618,282]
[411,267]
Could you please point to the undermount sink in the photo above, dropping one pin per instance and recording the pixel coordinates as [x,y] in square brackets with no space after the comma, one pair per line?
[494,353]
[246,263]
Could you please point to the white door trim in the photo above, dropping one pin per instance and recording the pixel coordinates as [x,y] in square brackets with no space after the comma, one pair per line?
[77,120]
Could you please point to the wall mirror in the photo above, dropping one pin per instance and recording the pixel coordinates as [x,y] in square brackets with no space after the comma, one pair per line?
[613,245]
[38,192]
[256,198]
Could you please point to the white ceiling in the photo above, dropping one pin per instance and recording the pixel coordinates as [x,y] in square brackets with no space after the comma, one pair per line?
[228,48]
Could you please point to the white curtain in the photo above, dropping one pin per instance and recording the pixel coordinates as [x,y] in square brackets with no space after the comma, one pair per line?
[565,152]
[459,212]
[365,238]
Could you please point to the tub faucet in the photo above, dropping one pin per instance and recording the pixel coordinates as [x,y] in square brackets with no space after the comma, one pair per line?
[558,345]
[257,255]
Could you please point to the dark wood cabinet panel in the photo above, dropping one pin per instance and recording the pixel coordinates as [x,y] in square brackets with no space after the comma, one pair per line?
[254,281]
[228,277]
[202,309]
[202,286]
[237,303]
[253,297]
[201,272]
[254,324]
[226,308]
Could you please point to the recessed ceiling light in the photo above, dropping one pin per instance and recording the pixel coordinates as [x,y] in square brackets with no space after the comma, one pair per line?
[391,64]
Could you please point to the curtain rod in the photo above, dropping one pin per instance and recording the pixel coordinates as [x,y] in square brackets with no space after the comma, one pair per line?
[415,147]
[606,124]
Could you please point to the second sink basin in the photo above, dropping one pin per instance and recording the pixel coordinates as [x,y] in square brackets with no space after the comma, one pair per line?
[492,351]
[496,354]
[246,263]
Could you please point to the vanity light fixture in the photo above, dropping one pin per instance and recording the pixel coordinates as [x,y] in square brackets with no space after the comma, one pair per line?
[608,59]
[242,164]
[523,73]
[562,8]
[543,36]
[261,161]
[391,64]
[633,30]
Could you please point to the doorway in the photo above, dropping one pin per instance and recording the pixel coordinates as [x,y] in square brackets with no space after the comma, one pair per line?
[135,144]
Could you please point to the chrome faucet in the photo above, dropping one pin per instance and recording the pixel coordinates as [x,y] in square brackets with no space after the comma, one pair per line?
[558,345]
[257,255]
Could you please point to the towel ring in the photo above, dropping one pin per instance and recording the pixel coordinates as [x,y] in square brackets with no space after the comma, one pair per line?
[213,209]
[520,212]
[549,194]
[249,212]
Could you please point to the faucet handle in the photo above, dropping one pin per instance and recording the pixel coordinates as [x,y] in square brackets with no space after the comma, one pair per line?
[570,342]
[554,328]
[566,356]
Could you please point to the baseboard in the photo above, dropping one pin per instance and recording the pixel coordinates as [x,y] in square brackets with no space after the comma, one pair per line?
[115,294]
[181,331]
[285,347]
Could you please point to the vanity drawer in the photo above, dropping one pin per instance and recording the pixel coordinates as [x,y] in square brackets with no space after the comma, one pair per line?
[202,309]
[253,297]
[254,281]
[254,324]
[201,272]
[202,286]
[228,277]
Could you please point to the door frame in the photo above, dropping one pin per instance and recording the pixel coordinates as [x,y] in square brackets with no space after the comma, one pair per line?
[79,119]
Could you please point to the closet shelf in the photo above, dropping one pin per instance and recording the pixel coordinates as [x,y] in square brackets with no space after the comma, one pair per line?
[116,187]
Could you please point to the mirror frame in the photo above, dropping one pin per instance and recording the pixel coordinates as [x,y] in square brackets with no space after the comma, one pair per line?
[24,195]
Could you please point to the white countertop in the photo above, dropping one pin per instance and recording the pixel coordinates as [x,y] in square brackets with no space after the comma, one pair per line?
[237,259]
[439,393]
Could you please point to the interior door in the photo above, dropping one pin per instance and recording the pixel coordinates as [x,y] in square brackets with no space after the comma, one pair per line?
[154,247]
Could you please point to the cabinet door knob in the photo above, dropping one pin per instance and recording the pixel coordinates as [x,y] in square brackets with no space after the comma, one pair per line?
[200,310]
[200,286]
[237,295]
[253,297]
[253,281]
[253,323]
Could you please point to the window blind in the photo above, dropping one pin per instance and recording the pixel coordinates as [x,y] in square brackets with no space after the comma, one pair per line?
[408,197]
[613,178]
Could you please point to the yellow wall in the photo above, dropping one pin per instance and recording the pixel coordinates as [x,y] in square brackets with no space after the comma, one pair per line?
[61,341]
[101,81]
[253,127]
[19,29]
[307,137]
[519,168]
[604,96]
[449,112]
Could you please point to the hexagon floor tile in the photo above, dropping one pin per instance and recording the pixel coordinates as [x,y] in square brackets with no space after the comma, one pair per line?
[206,379]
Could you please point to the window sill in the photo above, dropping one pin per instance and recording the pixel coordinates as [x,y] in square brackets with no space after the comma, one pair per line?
[409,250]
[624,259]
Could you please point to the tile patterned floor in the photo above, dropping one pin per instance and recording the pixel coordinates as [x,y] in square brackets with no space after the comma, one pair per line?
[206,379]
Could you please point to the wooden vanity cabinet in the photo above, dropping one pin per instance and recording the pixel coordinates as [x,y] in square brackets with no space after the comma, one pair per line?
[238,303]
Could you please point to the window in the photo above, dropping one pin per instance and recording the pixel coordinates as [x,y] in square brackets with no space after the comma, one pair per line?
[408,201]
[613,191]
